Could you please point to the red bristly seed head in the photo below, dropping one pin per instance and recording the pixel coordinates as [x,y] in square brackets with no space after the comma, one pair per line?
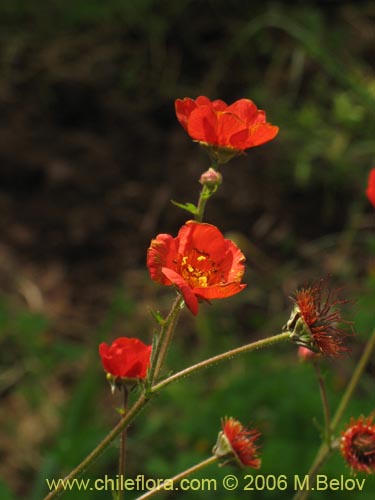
[357,445]
[236,444]
[315,319]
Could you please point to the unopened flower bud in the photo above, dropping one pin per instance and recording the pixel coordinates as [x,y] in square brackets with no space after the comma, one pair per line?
[306,354]
[211,178]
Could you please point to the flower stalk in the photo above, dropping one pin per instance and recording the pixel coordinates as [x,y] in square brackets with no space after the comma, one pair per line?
[122,457]
[165,336]
[173,481]
[253,346]
[325,404]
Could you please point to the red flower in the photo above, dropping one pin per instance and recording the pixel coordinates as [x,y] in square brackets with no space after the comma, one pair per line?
[126,358]
[314,321]
[199,262]
[357,445]
[370,191]
[236,443]
[235,128]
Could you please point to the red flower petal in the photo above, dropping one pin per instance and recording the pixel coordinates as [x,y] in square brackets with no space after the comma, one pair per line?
[219,291]
[183,108]
[228,125]
[254,136]
[246,111]
[161,253]
[203,237]
[370,191]
[202,124]
[190,299]
[219,105]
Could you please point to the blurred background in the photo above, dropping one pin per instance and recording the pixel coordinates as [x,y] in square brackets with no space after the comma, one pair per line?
[91,155]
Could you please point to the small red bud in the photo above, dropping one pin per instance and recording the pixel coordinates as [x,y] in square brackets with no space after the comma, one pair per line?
[211,178]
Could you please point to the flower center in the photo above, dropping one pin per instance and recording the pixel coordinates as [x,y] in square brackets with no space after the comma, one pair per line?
[198,269]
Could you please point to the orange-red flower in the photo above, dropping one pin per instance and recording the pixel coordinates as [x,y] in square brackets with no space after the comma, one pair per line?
[370,191]
[314,322]
[227,130]
[357,445]
[199,262]
[126,358]
[236,444]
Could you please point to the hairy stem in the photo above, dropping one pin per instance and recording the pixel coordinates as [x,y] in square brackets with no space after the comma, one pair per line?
[220,357]
[173,481]
[122,457]
[326,410]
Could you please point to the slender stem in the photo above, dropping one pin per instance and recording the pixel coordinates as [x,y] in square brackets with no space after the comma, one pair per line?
[326,410]
[354,380]
[122,457]
[204,196]
[176,479]
[220,357]
[324,451]
[167,334]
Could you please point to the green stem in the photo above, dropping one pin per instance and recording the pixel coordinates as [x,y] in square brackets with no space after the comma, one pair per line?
[122,457]
[326,411]
[165,336]
[220,357]
[146,397]
[324,451]
[176,479]
[354,380]
[205,195]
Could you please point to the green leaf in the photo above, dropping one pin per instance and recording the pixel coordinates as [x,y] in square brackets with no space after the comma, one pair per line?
[157,316]
[189,207]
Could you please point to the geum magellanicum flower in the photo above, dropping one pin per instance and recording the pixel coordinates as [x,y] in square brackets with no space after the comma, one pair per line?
[236,444]
[357,445]
[315,320]
[200,262]
[370,191]
[127,358]
[226,131]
